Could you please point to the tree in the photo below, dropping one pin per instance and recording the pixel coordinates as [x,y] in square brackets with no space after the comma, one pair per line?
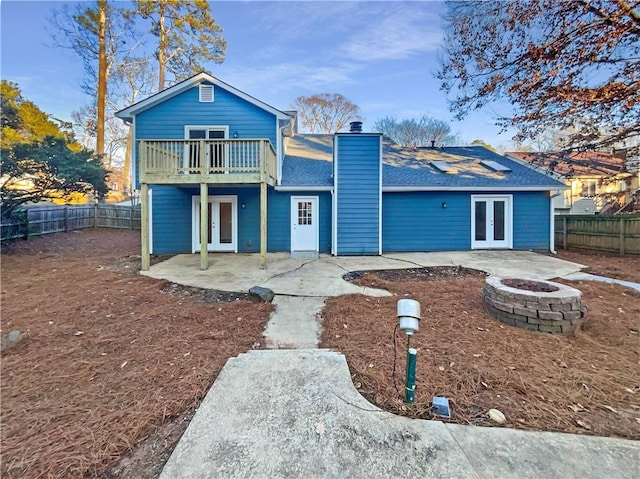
[187,35]
[416,132]
[97,34]
[46,169]
[39,158]
[480,142]
[571,66]
[326,112]
[23,121]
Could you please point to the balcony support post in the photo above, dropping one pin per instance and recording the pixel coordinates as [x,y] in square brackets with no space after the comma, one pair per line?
[204,227]
[263,224]
[144,226]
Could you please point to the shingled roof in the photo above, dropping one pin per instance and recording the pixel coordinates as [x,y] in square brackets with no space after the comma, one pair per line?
[308,161]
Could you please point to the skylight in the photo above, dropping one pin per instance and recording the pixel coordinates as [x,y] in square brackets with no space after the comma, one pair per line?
[443,166]
[495,166]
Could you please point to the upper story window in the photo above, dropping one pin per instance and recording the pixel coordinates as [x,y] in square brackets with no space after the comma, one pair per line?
[206,93]
[589,188]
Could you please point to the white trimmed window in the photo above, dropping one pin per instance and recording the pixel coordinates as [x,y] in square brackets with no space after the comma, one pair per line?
[206,93]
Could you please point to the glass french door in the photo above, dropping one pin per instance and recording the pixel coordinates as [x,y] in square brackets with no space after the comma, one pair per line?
[491,221]
[222,227]
[215,154]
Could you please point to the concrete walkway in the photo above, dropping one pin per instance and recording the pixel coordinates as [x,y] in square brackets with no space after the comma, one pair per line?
[302,285]
[296,414]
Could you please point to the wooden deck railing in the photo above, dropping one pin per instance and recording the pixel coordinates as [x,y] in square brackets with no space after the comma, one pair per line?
[211,161]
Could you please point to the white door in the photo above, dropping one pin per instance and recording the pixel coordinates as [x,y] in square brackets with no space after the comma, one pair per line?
[222,223]
[216,155]
[491,221]
[304,223]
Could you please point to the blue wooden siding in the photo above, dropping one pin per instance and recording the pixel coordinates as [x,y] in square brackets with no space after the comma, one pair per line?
[279,220]
[172,218]
[358,190]
[531,220]
[167,120]
[416,221]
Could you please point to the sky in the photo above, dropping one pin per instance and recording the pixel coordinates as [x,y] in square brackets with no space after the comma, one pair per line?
[380,55]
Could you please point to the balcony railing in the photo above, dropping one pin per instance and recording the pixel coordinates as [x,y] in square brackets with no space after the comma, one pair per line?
[210,161]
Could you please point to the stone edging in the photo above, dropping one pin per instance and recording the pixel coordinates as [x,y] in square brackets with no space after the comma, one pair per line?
[556,312]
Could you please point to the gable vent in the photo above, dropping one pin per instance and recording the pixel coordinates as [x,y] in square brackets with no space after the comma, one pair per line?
[206,93]
[443,166]
[495,166]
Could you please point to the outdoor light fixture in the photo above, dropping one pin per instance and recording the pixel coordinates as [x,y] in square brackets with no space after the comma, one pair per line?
[444,205]
[235,134]
[409,322]
[243,205]
[409,315]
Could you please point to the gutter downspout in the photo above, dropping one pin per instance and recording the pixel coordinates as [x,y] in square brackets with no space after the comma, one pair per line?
[552,223]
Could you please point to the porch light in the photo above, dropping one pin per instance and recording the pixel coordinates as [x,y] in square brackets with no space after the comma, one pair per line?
[444,204]
[235,134]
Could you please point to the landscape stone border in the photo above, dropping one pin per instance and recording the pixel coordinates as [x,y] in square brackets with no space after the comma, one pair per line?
[557,312]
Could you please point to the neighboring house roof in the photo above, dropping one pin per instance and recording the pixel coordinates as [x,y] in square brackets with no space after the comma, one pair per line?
[197,79]
[308,161]
[574,164]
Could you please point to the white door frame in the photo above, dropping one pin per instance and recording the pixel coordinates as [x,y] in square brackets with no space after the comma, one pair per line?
[314,218]
[214,200]
[507,243]
[206,128]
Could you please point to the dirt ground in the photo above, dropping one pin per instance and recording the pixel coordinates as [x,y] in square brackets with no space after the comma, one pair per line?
[112,363]
[610,265]
[586,383]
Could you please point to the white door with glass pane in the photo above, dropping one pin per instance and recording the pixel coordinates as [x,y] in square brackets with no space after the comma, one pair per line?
[491,221]
[216,155]
[222,223]
[304,223]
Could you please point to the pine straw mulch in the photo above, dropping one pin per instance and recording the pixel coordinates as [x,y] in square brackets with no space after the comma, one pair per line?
[108,355]
[587,383]
[605,264]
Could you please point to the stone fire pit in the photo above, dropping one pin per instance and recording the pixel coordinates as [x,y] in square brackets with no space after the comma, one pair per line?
[535,305]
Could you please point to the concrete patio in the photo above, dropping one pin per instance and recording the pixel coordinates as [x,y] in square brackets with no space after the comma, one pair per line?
[294,413]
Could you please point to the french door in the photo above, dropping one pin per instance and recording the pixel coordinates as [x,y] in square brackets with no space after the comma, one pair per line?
[222,224]
[216,154]
[491,221]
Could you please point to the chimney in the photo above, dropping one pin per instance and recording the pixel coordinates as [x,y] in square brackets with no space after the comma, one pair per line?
[433,143]
[355,127]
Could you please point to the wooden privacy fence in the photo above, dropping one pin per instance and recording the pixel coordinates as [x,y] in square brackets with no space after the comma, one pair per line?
[612,234]
[41,220]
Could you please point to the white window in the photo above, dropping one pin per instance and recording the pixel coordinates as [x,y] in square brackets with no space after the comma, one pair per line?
[206,93]
[589,188]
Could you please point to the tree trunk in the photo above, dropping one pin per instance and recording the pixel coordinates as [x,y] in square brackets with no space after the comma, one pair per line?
[162,47]
[102,75]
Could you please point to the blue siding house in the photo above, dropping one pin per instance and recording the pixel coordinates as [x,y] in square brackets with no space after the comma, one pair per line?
[219,170]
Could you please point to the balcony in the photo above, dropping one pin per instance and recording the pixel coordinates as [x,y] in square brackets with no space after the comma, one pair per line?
[230,161]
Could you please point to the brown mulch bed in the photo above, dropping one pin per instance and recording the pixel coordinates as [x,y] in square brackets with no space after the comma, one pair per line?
[587,383]
[602,264]
[108,356]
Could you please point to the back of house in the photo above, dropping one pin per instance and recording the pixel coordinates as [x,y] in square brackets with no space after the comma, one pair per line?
[204,146]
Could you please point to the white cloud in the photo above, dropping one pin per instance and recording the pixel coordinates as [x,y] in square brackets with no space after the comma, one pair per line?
[281,83]
[401,34]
